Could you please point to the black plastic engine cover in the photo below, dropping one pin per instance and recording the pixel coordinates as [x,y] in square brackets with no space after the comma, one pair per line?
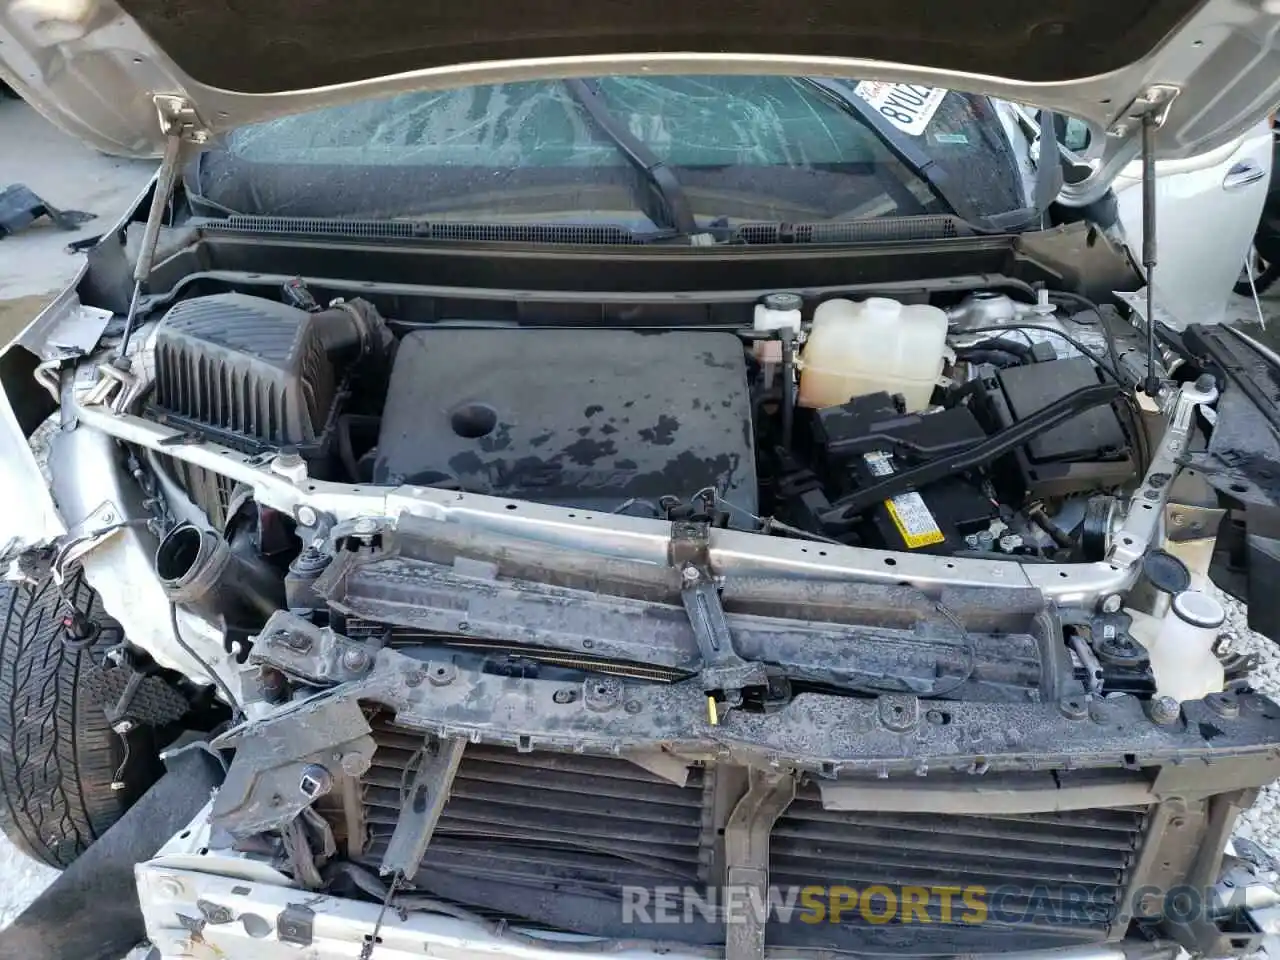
[585,418]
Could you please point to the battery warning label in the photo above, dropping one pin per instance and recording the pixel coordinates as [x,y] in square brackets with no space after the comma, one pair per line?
[908,511]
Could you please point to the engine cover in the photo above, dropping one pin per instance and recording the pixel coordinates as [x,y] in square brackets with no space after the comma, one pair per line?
[584,418]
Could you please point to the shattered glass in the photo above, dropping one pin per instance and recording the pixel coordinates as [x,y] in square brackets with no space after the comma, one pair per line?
[744,148]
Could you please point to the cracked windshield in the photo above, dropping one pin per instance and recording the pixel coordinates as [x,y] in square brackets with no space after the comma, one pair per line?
[648,154]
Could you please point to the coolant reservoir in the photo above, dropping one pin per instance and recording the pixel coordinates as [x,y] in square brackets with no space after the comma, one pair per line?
[878,344]
[1182,659]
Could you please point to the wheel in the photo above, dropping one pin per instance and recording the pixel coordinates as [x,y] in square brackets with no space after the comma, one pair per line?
[1264,274]
[58,755]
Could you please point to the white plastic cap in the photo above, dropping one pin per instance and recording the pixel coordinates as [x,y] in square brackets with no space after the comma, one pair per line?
[1198,609]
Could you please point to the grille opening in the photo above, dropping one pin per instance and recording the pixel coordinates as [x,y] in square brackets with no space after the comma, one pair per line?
[520,824]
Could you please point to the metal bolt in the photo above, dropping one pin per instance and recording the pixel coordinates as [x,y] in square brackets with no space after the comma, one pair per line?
[1179,519]
[1165,710]
[413,678]
[170,886]
[934,717]
[563,696]
[443,674]
[307,516]
[316,781]
[690,573]
[298,642]
[633,706]
[290,465]
[1113,603]
[355,659]
[353,764]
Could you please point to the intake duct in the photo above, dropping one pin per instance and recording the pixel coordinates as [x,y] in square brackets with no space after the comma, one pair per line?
[254,374]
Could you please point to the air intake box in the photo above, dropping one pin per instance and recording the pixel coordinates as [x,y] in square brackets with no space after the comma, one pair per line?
[249,372]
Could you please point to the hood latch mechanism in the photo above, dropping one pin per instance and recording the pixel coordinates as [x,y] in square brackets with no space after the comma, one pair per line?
[725,675]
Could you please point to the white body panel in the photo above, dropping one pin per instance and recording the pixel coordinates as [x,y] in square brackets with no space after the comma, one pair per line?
[1207,208]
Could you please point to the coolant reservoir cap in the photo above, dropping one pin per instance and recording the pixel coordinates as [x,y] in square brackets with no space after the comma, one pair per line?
[1198,609]
[783,301]
[882,308]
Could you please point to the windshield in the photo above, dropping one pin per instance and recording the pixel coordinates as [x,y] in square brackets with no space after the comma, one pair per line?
[738,148]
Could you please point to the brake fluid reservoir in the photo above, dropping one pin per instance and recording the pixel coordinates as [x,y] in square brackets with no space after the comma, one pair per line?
[878,344]
[1182,658]
[777,311]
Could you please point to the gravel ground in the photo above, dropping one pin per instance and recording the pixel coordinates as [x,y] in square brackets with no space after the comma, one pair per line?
[1260,823]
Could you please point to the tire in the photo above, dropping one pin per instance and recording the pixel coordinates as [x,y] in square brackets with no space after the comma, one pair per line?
[1267,274]
[58,754]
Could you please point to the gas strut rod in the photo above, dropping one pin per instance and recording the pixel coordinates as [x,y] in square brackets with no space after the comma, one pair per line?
[184,133]
[1152,385]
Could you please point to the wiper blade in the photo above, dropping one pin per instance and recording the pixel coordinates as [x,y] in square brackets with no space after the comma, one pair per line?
[679,214]
[909,152]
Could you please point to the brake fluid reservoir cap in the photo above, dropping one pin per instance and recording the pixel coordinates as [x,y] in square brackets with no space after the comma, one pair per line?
[1166,572]
[1199,609]
[783,301]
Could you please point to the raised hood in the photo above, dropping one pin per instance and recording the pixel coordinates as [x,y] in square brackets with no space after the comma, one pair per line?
[95,66]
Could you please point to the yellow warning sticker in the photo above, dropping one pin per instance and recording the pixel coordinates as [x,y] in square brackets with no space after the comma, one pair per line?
[914,520]
[907,510]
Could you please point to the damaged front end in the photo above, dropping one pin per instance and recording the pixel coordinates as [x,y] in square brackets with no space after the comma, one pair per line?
[492,733]
[624,648]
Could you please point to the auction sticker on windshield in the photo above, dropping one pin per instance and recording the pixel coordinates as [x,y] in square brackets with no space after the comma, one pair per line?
[908,106]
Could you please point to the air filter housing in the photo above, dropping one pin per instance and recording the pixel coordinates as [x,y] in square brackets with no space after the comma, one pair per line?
[253,373]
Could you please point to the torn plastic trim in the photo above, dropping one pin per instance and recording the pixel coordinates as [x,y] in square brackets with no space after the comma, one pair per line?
[87,475]
[259,913]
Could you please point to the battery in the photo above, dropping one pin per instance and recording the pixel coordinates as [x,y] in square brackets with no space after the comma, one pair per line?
[934,519]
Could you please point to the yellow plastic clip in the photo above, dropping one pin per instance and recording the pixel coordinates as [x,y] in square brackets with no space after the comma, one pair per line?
[713,712]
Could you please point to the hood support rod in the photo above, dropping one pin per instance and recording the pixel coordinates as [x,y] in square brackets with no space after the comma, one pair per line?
[1150,120]
[183,133]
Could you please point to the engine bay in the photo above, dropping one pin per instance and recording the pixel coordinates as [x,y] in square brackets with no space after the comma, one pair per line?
[1026,440]
[481,598]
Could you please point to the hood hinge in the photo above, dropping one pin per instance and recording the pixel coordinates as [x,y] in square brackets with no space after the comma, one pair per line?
[178,118]
[1154,102]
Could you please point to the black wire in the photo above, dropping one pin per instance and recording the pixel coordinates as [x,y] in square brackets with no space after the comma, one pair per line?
[1107,368]
[236,710]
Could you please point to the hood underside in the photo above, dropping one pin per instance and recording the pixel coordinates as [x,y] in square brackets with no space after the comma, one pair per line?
[94,66]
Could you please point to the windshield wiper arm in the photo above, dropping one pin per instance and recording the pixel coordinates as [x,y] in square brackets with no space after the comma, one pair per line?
[908,152]
[646,162]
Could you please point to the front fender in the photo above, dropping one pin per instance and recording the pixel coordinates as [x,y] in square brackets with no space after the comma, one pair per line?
[28,515]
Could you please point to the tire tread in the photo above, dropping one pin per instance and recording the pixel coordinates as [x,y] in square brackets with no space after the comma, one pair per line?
[58,754]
